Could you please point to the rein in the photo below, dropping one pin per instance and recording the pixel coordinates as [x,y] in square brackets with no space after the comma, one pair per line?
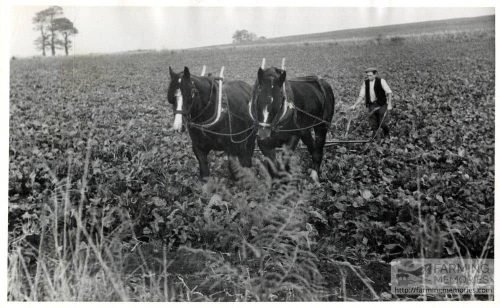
[290,105]
[319,120]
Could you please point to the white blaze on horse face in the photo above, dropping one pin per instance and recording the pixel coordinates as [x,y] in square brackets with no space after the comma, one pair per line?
[265,114]
[178,116]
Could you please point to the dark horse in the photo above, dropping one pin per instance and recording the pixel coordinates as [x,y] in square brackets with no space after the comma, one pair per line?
[287,110]
[215,120]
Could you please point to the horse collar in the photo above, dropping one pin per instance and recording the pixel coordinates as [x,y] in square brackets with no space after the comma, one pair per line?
[218,108]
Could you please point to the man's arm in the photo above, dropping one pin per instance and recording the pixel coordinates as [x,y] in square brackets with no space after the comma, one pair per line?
[361,97]
[388,93]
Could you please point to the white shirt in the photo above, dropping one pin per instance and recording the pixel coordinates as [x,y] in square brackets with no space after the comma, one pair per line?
[373,97]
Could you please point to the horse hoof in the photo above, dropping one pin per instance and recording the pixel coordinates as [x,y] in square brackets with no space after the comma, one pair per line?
[314,176]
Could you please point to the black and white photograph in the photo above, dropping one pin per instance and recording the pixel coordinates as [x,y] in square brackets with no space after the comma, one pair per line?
[262,151]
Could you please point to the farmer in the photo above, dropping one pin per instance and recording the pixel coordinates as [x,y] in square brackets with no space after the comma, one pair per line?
[378,99]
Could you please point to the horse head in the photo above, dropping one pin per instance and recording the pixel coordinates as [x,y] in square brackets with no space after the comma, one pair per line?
[269,98]
[181,94]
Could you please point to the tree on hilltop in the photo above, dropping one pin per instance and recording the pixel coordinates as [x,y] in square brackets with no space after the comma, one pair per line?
[55,30]
[66,28]
[241,36]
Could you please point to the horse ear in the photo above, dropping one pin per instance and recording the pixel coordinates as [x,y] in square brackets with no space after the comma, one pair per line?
[260,75]
[282,77]
[172,74]
[187,74]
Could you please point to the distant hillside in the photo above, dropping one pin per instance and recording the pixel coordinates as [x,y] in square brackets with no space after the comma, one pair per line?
[427,27]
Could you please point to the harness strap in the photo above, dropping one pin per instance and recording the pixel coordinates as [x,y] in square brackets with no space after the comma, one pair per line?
[219,109]
[316,80]
[288,106]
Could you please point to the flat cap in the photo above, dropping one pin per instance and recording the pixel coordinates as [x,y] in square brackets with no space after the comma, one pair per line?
[371,69]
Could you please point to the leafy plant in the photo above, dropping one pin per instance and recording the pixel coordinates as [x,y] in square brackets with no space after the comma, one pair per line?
[92,159]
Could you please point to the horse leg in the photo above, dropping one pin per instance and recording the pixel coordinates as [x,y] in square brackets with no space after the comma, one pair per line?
[232,163]
[292,143]
[320,133]
[201,155]
[270,161]
[308,140]
[245,160]
[246,153]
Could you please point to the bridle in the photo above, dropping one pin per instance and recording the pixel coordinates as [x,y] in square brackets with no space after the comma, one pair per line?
[195,94]
[286,106]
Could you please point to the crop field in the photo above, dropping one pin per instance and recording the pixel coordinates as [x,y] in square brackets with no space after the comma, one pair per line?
[105,201]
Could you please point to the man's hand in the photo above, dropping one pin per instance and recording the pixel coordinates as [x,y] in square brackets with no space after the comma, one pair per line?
[389,107]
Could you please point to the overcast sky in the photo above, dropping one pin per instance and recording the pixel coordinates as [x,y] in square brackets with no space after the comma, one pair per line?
[112,29]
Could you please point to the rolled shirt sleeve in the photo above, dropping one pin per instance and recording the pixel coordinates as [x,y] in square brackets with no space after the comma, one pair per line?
[362,91]
[385,86]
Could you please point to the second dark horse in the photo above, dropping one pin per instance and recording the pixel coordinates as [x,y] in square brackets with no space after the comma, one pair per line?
[288,110]
[213,123]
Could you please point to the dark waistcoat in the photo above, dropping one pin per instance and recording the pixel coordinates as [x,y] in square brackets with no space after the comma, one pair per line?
[379,92]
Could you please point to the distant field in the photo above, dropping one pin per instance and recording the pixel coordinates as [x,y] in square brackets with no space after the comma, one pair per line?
[91,136]
[474,24]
